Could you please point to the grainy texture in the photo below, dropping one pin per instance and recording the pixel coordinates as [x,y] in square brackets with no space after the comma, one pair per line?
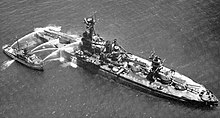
[185,32]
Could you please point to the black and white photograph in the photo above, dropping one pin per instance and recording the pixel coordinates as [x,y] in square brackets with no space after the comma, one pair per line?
[109,58]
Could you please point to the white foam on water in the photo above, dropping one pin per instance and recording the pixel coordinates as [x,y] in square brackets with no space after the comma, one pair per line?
[53,27]
[62,59]
[6,64]
[74,65]
[66,64]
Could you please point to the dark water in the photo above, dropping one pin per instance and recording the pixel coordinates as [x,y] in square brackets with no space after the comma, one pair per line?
[185,32]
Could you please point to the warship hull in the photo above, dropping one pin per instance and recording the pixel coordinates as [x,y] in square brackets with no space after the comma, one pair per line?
[106,72]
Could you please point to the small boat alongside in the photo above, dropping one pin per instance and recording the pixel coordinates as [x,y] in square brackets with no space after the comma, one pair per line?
[20,50]
[23,57]
[111,60]
[43,39]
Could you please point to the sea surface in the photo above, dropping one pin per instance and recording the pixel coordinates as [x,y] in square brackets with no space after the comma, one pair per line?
[184,32]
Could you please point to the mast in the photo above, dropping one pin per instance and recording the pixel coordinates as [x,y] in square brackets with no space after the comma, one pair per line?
[94,23]
[90,23]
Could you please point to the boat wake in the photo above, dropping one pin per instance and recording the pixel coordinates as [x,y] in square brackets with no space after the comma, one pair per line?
[6,64]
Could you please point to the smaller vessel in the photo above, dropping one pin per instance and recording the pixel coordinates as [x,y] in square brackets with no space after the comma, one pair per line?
[24,49]
[24,57]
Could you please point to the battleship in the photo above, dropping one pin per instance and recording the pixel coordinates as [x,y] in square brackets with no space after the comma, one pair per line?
[111,60]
